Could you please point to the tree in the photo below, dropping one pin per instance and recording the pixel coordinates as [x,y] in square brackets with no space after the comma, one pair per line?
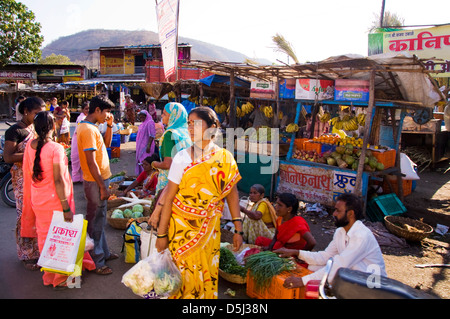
[55,59]
[282,45]
[389,20]
[20,38]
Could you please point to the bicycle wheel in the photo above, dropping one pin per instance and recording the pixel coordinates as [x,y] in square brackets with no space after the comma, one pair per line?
[7,191]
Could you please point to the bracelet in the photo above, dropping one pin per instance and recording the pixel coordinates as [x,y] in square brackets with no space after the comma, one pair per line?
[161,236]
[63,200]
[110,126]
[66,210]
[237,220]
[239,232]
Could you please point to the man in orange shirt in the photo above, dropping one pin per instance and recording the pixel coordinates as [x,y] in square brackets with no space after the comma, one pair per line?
[94,162]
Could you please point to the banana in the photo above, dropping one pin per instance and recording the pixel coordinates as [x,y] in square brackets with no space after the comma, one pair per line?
[292,128]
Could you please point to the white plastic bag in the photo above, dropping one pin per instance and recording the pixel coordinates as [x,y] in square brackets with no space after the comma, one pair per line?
[89,243]
[61,245]
[407,167]
[155,277]
[148,240]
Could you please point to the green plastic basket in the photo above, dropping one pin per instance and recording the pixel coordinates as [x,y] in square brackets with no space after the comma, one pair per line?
[384,205]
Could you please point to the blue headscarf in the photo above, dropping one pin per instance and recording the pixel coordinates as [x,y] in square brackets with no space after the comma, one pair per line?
[178,125]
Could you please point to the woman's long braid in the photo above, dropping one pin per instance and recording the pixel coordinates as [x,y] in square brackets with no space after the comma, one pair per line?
[43,124]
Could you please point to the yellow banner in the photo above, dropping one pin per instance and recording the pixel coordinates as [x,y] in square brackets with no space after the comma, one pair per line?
[432,44]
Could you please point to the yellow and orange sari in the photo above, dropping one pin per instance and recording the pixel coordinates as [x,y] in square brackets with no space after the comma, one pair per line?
[194,228]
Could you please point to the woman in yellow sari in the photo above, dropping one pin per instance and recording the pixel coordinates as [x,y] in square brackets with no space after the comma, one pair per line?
[261,219]
[200,179]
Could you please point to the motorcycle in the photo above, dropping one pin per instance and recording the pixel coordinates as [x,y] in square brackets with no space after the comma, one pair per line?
[6,187]
[354,284]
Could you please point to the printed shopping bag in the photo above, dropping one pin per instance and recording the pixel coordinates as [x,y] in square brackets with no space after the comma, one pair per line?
[64,246]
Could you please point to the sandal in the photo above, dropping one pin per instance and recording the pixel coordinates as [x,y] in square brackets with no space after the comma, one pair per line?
[31,264]
[105,270]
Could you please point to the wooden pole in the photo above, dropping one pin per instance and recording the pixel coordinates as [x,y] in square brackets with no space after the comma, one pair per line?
[276,121]
[232,102]
[367,128]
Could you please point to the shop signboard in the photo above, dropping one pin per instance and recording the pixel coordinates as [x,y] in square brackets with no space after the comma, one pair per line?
[432,44]
[316,183]
[308,89]
[262,90]
[17,75]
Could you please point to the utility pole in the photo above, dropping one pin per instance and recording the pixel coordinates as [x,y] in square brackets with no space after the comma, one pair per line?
[383,4]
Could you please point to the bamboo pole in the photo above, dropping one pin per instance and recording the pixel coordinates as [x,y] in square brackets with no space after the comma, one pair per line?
[367,128]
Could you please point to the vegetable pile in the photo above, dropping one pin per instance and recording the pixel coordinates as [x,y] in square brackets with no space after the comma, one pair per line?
[137,211]
[265,265]
[229,264]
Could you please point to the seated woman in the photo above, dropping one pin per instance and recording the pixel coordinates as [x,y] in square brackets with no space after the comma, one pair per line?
[148,178]
[292,231]
[260,220]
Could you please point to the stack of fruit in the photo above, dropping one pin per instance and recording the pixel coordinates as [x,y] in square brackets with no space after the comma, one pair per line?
[355,141]
[348,156]
[327,139]
[311,156]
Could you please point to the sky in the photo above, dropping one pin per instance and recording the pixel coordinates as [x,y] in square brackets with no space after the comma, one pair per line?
[316,29]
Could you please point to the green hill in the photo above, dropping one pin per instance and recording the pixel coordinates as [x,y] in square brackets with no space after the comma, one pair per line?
[75,46]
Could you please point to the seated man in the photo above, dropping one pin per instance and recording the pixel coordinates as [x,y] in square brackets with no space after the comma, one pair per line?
[353,246]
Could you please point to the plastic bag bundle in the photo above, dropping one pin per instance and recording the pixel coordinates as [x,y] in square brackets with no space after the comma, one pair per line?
[167,275]
[155,277]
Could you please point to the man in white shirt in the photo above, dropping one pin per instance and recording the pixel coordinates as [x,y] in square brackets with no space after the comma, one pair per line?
[353,246]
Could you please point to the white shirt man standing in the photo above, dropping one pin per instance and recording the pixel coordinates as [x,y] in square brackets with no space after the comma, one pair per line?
[353,246]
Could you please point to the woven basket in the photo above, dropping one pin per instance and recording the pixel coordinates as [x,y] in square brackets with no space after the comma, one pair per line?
[226,236]
[395,224]
[237,279]
[122,223]
[113,203]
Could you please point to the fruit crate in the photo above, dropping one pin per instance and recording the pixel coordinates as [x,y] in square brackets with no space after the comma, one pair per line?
[299,143]
[276,289]
[311,146]
[387,158]
[406,183]
[384,205]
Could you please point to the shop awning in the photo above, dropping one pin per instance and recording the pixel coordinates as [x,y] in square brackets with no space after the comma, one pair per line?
[222,79]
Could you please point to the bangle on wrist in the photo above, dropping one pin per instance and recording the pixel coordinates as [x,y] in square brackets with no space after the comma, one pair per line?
[239,232]
[66,210]
[161,236]
[110,126]
[237,220]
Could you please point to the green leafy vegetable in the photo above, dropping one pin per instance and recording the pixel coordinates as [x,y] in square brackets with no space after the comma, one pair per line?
[229,264]
[265,265]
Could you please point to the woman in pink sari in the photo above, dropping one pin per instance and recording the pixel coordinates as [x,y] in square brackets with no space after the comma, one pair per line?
[145,140]
[47,187]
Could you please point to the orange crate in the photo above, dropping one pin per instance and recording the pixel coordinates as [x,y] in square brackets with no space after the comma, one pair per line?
[407,186]
[311,146]
[115,152]
[299,143]
[276,289]
[386,157]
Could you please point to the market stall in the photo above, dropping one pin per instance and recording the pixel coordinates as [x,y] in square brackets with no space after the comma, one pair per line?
[353,167]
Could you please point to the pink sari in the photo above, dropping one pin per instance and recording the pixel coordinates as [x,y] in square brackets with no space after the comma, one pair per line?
[40,199]
[146,130]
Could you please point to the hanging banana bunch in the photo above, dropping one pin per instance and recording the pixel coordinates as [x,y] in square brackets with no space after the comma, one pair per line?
[292,128]
[325,117]
[171,95]
[361,119]
[247,108]
[268,111]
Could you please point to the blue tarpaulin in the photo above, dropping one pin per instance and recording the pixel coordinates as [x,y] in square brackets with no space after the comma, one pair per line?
[224,80]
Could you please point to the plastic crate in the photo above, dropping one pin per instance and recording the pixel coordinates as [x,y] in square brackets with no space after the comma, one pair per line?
[384,205]
[115,152]
[276,289]
[328,148]
[386,157]
[299,143]
[115,141]
[406,183]
[133,137]
[311,146]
